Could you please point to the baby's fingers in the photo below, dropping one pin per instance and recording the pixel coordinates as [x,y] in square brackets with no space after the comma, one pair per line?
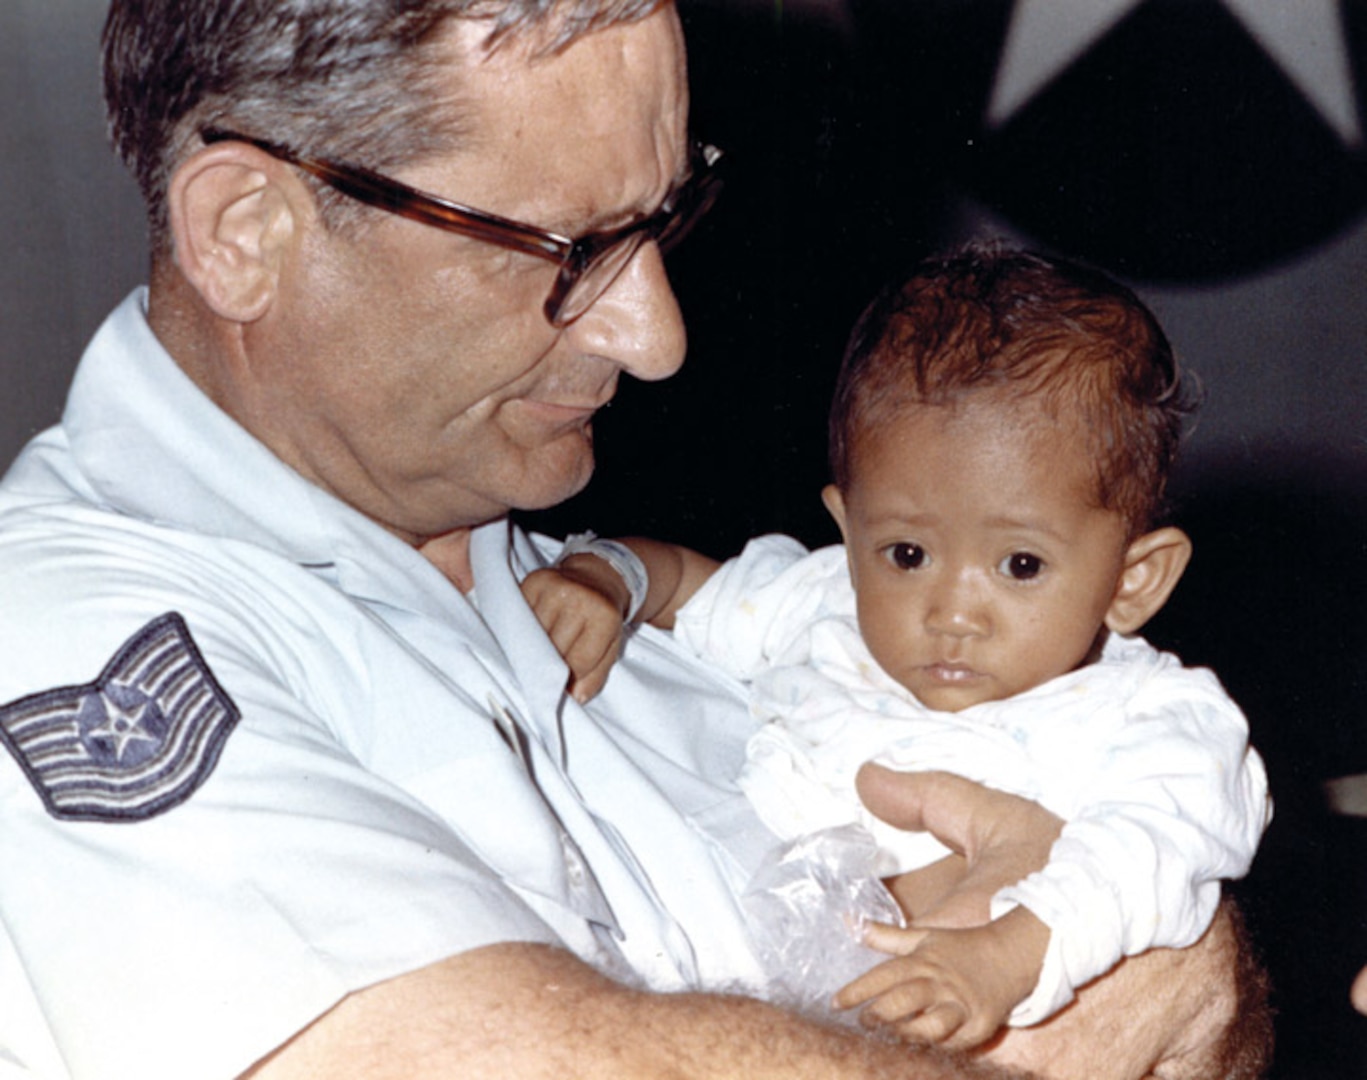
[916,1008]
[589,650]
[937,1024]
[877,981]
[928,1010]
[585,683]
[894,940]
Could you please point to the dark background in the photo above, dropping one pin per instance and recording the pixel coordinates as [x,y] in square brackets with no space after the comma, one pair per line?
[1175,154]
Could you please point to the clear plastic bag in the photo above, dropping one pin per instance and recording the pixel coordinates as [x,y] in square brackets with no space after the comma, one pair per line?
[808,905]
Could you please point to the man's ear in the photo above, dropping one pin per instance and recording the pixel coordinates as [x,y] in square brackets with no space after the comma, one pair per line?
[1153,565]
[233,211]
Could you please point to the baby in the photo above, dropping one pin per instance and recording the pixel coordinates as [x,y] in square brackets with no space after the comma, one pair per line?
[1001,437]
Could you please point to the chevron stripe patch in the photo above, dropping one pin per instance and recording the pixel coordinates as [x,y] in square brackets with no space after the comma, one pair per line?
[137,741]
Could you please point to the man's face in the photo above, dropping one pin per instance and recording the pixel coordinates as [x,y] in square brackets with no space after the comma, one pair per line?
[981,563]
[411,372]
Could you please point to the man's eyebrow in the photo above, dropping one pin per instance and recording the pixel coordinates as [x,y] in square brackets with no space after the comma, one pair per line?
[586,219]
[599,221]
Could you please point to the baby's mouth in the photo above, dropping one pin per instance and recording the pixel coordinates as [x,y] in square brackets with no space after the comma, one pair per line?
[951,672]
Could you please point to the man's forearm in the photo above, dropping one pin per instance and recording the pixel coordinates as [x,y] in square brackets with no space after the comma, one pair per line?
[538,1013]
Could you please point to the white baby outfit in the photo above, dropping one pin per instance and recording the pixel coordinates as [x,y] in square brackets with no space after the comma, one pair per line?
[1148,762]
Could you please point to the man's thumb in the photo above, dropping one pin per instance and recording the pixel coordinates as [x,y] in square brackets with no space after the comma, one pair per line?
[934,802]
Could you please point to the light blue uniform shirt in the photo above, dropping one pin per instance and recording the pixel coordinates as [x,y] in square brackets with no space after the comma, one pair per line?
[381,772]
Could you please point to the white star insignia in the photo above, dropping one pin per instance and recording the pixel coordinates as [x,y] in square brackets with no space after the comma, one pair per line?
[1305,39]
[122,726]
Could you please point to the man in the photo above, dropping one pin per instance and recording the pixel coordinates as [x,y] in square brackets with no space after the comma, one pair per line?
[292,786]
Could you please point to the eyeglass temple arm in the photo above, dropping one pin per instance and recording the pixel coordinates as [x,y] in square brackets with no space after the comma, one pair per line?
[368,187]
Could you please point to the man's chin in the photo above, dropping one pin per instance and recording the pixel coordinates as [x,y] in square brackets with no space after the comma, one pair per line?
[552,490]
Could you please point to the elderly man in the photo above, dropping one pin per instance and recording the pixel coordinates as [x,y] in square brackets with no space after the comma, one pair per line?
[293,787]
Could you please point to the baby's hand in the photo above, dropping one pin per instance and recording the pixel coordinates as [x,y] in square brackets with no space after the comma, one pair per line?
[577,605]
[954,987]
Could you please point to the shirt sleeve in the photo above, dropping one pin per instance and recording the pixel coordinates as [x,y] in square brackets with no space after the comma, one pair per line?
[193,937]
[1177,803]
[744,617]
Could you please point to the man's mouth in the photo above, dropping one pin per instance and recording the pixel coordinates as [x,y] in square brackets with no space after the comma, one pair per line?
[563,414]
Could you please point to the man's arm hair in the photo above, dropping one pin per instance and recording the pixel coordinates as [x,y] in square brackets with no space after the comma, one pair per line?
[1245,1052]
[537,1013]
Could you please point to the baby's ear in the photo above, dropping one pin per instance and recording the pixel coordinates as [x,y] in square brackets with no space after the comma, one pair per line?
[835,503]
[1154,563]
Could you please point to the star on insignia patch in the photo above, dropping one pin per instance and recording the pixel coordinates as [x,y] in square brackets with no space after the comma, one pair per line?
[135,742]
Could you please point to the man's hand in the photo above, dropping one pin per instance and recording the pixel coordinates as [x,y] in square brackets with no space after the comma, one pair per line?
[582,603]
[999,838]
[953,987]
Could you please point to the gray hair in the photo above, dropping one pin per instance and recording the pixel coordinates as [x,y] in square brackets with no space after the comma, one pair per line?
[349,79]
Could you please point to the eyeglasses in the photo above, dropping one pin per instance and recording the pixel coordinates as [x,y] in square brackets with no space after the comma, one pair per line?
[588,265]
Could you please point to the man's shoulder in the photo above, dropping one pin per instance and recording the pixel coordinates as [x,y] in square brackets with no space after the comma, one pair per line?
[80,582]
[65,548]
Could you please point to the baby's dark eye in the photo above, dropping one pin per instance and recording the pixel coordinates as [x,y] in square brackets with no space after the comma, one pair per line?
[906,556]
[1022,566]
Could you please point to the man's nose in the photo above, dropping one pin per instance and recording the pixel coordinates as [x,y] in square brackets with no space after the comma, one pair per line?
[636,323]
[956,606]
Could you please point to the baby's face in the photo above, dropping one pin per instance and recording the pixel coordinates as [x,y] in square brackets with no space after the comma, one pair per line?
[982,565]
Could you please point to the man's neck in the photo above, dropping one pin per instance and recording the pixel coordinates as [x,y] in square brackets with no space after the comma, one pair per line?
[450,553]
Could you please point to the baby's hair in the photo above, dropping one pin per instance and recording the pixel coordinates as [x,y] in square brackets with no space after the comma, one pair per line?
[989,317]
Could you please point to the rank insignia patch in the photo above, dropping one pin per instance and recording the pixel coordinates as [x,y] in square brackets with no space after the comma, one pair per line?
[133,743]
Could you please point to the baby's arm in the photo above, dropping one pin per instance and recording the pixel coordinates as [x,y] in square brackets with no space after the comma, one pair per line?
[585,602]
[1173,802]
[1179,808]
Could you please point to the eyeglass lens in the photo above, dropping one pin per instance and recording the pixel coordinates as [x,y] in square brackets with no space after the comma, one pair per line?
[576,296]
